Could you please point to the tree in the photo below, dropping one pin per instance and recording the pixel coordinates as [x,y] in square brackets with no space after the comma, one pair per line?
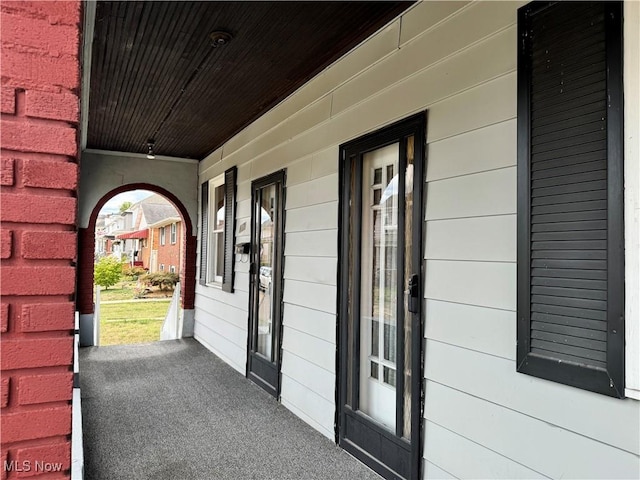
[107,272]
[125,206]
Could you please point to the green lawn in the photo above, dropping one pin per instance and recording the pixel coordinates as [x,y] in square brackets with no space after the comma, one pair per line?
[120,291]
[131,322]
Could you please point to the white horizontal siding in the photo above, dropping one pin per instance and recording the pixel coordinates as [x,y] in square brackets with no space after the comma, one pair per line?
[322,243]
[480,239]
[425,16]
[311,269]
[312,322]
[314,192]
[222,347]
[311,295]
[432,471]
[484,284]
[460,34]
[308,374]
[443,447]
[480,194]
[488,103]
[536,444]
[487,148]
[323,216]
[476,328]
[496,380]
[457,60]
[311,407]
[313,349]
[238,299]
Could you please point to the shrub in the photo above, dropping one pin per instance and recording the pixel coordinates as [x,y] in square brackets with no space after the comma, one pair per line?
[107,272]
[133,272]
[164,280]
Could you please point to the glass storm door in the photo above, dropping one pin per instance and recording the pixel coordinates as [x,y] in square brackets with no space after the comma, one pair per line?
[380,298]
[267,220]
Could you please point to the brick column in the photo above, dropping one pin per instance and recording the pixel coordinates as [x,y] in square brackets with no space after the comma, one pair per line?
[86,249]
[39,174]
[188,277]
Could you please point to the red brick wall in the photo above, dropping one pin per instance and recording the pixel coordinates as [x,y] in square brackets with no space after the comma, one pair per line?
[169,254]
[38,243]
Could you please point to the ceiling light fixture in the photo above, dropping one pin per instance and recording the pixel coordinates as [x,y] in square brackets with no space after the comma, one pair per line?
[220,38]
[150,154]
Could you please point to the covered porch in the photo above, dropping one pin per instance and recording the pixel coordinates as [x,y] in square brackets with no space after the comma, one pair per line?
[174,410]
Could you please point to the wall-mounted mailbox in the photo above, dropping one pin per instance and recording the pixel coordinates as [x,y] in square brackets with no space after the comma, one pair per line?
[242,248]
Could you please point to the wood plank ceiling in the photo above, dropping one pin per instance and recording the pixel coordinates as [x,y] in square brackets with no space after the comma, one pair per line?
[154,73]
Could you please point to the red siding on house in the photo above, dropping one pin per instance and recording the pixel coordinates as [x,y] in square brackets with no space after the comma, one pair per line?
[39,175]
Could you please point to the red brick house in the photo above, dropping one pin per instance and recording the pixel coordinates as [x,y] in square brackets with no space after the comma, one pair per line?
[157,235]
[166,238]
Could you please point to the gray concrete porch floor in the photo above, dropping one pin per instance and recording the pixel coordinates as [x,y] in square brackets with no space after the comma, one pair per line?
[173,410]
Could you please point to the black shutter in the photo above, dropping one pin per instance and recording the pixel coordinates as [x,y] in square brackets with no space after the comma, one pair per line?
[204,231]
[229,228]
[570,204]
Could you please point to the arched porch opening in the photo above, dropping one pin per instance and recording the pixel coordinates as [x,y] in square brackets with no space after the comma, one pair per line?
[86,256]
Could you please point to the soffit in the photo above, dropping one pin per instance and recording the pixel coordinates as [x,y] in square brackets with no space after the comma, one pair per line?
[154,73]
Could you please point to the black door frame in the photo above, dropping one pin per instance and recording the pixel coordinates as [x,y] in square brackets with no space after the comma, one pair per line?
[258,368]
[373,444]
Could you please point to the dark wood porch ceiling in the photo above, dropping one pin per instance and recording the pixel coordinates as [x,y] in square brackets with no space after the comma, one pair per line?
[154,73]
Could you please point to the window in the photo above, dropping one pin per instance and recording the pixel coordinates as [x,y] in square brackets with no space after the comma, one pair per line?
[172,268]
[162,267]
[217,258]
[163,239]
[173,234]
[570,195]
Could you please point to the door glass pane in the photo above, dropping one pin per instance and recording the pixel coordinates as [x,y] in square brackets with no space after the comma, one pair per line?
[379,284]
[408,271]
[354,214]
[219,244]
[266,223]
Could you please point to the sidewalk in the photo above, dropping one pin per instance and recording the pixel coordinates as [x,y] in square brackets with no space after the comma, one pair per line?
[136,300]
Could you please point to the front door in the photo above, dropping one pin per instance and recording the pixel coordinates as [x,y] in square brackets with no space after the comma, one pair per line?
[265,317]
[380,298]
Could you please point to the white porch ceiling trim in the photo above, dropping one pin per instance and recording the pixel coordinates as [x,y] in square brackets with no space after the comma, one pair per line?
[139,155]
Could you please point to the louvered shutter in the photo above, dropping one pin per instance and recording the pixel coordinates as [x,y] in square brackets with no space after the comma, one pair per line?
[229,228]
[204,231]
[570,245]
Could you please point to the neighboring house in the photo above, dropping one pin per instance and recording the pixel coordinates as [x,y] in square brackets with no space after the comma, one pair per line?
[167,237]
[157,240]
[109,236]
[428,248]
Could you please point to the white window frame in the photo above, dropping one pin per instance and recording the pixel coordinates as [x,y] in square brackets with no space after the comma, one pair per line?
[173,233]
[172,268]
[162,267]
[163,236]
[631,78]
[214,235]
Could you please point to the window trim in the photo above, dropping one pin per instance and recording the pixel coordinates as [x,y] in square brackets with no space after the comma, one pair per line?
[610,381]
[207,200]
[163,236]
[212,279]
[173,233]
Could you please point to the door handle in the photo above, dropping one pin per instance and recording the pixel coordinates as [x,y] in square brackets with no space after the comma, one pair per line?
[414,294]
